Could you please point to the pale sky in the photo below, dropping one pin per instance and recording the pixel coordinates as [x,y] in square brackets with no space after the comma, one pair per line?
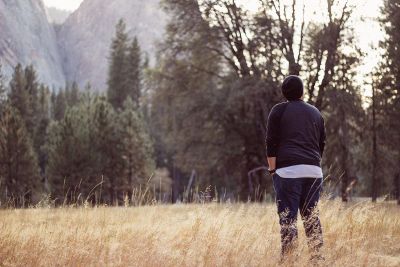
[70,5]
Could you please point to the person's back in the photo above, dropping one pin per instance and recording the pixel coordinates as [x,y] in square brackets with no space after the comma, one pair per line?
[295,143]
[301,126]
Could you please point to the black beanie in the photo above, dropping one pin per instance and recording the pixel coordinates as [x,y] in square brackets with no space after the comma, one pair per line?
[292,88]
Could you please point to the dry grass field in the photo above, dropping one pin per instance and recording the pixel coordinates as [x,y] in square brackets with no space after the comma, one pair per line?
[361,234]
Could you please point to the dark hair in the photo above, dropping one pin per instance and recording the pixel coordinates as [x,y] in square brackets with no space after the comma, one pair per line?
[292,87]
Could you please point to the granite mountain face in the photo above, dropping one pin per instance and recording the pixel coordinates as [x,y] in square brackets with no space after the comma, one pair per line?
[78,49]
[26,37]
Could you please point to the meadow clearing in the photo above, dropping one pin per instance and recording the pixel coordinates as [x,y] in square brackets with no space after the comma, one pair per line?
[356,234]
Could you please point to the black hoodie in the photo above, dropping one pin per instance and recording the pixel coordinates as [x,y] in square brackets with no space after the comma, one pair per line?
[295,134]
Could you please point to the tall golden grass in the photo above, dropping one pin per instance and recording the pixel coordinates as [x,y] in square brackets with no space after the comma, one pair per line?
[358,234]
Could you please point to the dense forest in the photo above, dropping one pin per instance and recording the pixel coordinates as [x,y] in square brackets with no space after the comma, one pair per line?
[193,124]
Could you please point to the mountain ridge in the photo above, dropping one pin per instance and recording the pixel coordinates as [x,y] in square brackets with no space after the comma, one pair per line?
[77,49]
[27,38]
[85,37]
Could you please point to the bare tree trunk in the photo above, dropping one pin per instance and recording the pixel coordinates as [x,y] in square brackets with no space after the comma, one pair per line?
[374,194]
[396,185]
[175,185]
[345,184]
[345,153]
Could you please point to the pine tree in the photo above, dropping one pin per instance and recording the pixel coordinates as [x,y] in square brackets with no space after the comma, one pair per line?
[71,94]
[43,121]
[36,120]
[107,144]
[345,118]
[32,88]
[24,94]
[53,97]
[18,167]
[71,156]
[387,96]
[134,72]
[18,96]
[85,148]
[74,95]
[67,93]
[136,149]
[117,76]
[59,105]
[375,185]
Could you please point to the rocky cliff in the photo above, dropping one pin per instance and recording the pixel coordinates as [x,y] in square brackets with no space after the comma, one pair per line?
[27,37]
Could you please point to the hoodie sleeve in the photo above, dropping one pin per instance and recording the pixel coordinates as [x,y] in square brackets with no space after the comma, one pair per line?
[322,139]
[273,128]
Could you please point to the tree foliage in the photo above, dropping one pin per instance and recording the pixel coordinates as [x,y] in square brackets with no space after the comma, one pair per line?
[19,174]
[125,71]
[230,67]
[386,103]
[96,154]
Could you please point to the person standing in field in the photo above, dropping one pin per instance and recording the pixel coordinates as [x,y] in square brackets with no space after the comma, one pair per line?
[295,143]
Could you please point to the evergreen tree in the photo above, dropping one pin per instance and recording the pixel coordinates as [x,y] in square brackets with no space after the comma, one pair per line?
[387,100]
[67,93]
[18,96]
[18,167]
[53,97]
[71,94]
[24,95]
[117,75]
[136,150]
[92,144]
[43,121]
[106,146]
[71,155]
[31,101]
[74,95]
[146,61]
[134,72]
[32,88]
[59,105]
[345,118]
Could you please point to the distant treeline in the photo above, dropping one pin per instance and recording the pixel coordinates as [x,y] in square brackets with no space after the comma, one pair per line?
[200,111]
